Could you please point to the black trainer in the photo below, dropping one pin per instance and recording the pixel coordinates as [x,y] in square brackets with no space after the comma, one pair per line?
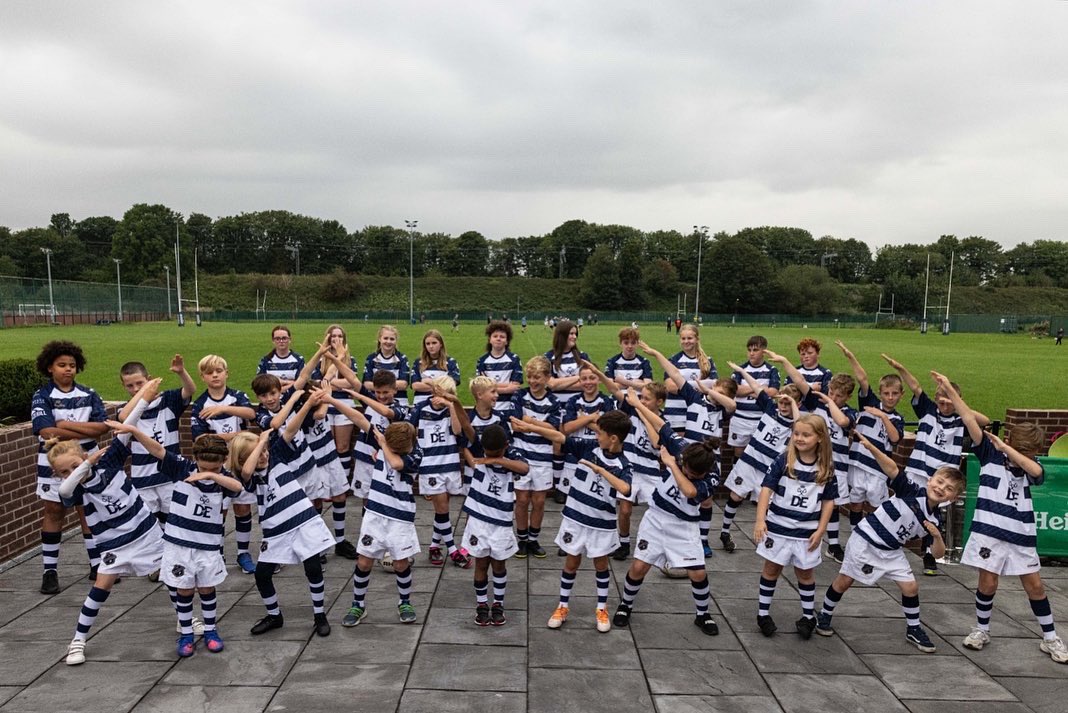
[930,565]
[482,614]
[497,617]
[322,626]
[622,552]
[346,549]
[836,553]
[706,624]
[535,549]
[271,621]
[559,498]
[805,627]
[521,553]
[622,616]
[92,573]
[728,541]
[50,582]
[767,625]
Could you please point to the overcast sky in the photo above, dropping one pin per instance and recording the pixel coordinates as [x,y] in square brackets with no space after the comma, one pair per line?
[891,122]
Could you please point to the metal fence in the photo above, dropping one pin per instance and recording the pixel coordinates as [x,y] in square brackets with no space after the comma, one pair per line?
[27,300]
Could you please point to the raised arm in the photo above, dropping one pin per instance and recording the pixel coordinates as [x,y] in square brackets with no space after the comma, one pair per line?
[858,371]
[726,402]
[254,457]
[231,484]
[1030,466]
[352,414]
[837,414]
[670,369]
[685,485]
[294,425]
[189,387]
[372,403]
[975,431]
[886,463]
[791,371]
[538,428]
[910,381]
[755,387]
[653,422]
[612,387]
[144,396]
[393,460]
[619,484]
[151,445]
[309,367]
[888,423]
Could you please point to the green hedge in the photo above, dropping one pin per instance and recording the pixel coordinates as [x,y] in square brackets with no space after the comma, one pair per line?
[18,380]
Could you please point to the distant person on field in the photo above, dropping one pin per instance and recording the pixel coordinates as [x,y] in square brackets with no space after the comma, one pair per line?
[1060,336]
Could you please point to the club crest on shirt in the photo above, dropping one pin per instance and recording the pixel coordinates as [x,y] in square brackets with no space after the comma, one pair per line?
[568,537]
[205,500]
[643,544]
[432,481]
[366,540]
[178,570]
[738,480]
[473,540]
[263,546]
[867,569]
[984,552]
[45,488]
[769,543]
[109,558]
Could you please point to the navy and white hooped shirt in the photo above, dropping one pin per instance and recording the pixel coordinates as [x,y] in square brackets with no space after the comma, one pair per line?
[676,406]
[1003,507]
[159,420]
[440,447]
[220,423]
[817,375]
[321,441]
[536,449]
[305,459]
[771,436]
[796,503]
[480,424]
[765,374]
[873,428]
[398,364]
[195,519]
[569,366]
[839,436]
[591,500]
[114,511]
[491,497]
[282,504]
[286,368]
[51,404]
[365,445]
[391,490]
[633,369]
[638,447]
[339,394]
[505,369]
[451,370]
[939,439]
[900,518]
[667,497]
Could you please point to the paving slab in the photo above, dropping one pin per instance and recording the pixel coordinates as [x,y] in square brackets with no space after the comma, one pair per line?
[582,648]
[717,704]
[24,661]
[457,626]
[863,636]
[470,667]
[1042,695]
[8,692]
[205,699]
[78,688]
[329,687]
[787,652]
[702,673]
[966,707]
[243,663]
[555,690]
[801,693]
[678,632]
[420,701]
[1016,657]
[368,643]
[934,677]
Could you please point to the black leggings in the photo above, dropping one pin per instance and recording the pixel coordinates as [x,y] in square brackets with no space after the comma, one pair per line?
[313,570]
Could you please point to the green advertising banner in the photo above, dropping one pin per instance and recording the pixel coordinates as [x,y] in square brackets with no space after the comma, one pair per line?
[1050,501]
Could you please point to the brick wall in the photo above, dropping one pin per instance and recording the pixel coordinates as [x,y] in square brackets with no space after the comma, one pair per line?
[1051,421]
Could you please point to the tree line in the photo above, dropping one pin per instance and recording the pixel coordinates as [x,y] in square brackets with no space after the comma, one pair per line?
[759,269]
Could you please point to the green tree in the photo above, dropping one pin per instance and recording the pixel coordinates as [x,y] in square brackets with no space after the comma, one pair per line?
[468,254]
[807,290]
[784,246]
[736,274]
[982,256]
[847,261]
[505,260]
[144,241]
[631,262]
[660,278]
[24,250]
[600,280]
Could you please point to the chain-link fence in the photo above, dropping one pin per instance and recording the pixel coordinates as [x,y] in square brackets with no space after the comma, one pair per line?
[27,300]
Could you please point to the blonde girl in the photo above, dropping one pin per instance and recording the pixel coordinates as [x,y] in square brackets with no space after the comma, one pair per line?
[387,358]
[433,363]
[694,365]
[337,341]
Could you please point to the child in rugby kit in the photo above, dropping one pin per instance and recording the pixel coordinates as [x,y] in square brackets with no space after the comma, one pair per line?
[881,424]
[629,369]
[939,437]
[564,359]
[281,361]
[439,422]
[1003,537]
[534,403]
[223,411]
[127,533]
[817,376]
[332,478]
[580,415]
[66,410]
[748,413]
[337,342]
[588,525]
[490,508]
[192,540]
[483,415]
[695,366]
[500,364]
[432,364]
[876,549]
[387,358]
[293,533]
[769,441]
[796,499]
[388,525]
[666,535]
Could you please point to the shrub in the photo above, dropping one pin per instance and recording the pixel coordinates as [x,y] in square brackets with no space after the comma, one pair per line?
[18,380]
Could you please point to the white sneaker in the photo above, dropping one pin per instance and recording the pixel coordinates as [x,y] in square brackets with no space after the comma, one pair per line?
[977,639]
[1054,647]
[198,627]
[387,563]
[76,652]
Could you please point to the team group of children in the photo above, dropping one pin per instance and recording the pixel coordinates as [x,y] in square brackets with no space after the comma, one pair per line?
[597,441]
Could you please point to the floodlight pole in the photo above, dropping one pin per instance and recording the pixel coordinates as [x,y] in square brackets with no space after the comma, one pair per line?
[178,272]
[411,225]
[118,281]
[949,292]
[702,233]
[167,269]
[51,300]
[926,286]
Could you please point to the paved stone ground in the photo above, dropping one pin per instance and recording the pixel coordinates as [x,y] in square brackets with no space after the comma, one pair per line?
[445,663]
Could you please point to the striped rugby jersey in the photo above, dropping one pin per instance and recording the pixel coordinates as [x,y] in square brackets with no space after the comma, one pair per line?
[159,420]
[939,439]
[365,445]
[398,364]
[872,428]
[317,374]
[634,369]
[282,504]
[698,425]
[667,497]
[796,503]
[764,374]
[638,448]
[451,370]
[675,406]
[196,514]
[441,449]
[222,423]
[51,404]
[900,518]
[817,375]
[772,434]
[839,436]
[505,369]
[286,368]
[535,448]
[569,366]
[305,458]
[480,424]
[491,497]
[591,501]
[114,511]
[391,490]
[1003,507]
